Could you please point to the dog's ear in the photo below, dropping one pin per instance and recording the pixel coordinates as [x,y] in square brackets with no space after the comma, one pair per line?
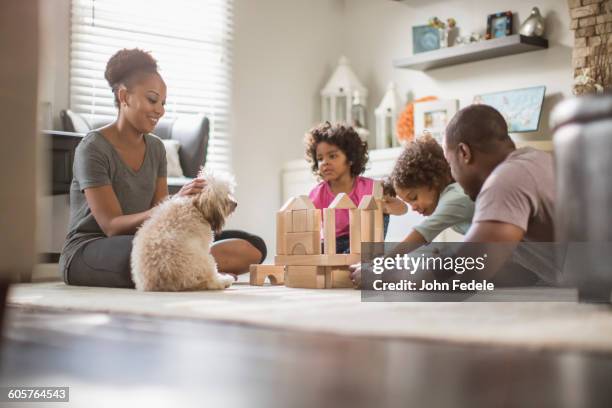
[211,208]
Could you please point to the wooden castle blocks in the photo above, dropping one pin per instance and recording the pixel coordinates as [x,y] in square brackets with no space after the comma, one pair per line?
[298,226]
[303,243]
[317,260]
[338,277]
[318,277]
[298,241]
[259,273]
[310,277]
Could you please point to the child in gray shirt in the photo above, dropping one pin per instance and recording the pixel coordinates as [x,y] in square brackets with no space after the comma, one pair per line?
[422,178]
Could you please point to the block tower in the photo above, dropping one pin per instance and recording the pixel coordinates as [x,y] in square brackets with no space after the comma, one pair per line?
[300,261]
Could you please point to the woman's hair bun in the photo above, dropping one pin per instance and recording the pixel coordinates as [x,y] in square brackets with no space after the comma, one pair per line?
[125,63]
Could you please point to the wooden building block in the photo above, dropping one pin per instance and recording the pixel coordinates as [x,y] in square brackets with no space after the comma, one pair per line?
[329,231]
[342,201]
[308,277]
[300,220]
[288,204]
[283,226]
[314,220]
[303,243]
[379,230]
[367,225]
[355,231]
[259,273]
[338,277]
[328,277]
[353,259]
[368,202]
[302,202]
[318,260]
[377,189]
[379,227]
[341,278]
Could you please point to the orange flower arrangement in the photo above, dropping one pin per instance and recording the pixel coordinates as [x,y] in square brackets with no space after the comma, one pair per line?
[405,122]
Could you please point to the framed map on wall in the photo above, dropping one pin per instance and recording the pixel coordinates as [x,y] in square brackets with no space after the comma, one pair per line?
[520,107]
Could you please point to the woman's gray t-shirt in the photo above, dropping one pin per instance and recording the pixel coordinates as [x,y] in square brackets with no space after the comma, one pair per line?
[96,164]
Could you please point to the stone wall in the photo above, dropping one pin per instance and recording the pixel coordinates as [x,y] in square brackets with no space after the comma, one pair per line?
[591,21]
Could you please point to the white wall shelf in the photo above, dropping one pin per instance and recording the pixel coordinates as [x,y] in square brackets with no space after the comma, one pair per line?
[461,54]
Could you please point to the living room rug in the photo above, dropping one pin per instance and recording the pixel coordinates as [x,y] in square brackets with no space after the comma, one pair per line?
[543,325]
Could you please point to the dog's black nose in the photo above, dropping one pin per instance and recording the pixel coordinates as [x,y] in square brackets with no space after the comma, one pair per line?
[233,205]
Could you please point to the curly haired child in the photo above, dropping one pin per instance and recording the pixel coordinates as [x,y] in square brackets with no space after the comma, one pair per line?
[422,178]
[338,157]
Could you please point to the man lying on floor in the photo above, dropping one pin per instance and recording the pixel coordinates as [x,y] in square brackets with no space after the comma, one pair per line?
[513,190]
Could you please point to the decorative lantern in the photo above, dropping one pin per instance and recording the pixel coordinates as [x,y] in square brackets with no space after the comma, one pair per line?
[336,96]
[386,117]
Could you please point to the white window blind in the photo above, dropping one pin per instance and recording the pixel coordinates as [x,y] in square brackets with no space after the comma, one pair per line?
[191,41]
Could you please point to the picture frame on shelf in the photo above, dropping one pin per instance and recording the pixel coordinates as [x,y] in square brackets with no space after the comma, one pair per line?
[433,116]
[425,38]
[521,108]
[499,25]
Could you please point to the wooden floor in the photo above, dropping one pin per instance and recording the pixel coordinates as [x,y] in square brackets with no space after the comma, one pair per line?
[123,360]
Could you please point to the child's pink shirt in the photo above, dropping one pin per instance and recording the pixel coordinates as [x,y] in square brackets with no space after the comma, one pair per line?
[322,197]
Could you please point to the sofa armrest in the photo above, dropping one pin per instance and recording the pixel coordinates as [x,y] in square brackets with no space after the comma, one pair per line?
[192,132]
[74,122]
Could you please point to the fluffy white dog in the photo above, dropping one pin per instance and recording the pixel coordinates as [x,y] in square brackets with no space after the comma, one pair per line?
[171,251]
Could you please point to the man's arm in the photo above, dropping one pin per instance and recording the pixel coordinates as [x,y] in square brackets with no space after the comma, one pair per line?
[494,231]
[411,242]
[499,239]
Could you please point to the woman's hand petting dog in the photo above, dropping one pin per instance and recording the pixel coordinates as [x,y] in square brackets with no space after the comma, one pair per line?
[195,186]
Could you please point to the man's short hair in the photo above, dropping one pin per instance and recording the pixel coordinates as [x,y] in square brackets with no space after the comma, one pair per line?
[479,126]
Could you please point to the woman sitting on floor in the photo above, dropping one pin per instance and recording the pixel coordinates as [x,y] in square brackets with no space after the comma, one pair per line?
[120,175]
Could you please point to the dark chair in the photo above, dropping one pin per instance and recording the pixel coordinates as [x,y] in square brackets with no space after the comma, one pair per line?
[191,131]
